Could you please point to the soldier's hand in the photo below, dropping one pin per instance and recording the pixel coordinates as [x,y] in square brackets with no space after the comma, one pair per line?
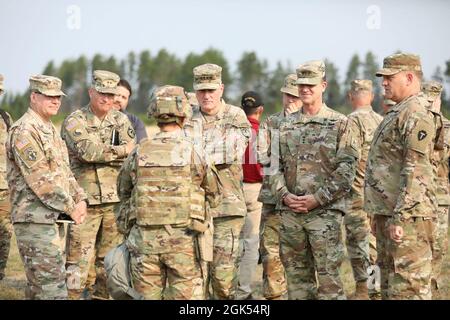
[79,213]
[309,201]
[295,204]
[396,233]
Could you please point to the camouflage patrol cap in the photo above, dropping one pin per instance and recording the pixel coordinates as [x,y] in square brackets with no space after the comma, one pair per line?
[290,85]
[1,84]
[432,89]
[105,81]
[207,76]
[192,99]
[46,85]
[398,62]
[389,102]
[311,72]
[361,84]
[168,103]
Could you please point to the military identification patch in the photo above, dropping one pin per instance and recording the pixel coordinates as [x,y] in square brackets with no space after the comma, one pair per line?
[31,154]
[421,135]
[131,132]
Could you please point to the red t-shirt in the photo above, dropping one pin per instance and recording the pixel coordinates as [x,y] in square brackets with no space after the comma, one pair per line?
[252,169]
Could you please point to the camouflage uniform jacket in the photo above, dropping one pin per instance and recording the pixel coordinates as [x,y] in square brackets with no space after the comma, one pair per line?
[40,181]
[399,175]
[94,159]
[318,157]
[268,153]
[3,138]
[202,175]
[224,137]
[440,162]
[367,122]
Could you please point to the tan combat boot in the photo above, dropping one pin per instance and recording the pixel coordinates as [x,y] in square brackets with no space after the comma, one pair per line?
[361,292]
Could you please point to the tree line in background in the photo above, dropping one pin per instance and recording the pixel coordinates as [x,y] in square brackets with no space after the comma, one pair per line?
[145,71]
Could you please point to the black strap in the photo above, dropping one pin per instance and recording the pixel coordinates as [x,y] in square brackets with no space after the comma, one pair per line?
[5,118]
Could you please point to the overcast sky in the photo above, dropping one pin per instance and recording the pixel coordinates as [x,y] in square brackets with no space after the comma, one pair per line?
[35,32]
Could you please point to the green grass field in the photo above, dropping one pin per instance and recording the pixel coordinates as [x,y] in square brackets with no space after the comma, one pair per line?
[12,286]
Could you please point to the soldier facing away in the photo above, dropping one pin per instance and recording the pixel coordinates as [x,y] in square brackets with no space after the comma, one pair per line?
[167,190]
[356,220]
[399,188]
[99,138]
[43,189]
[274,280]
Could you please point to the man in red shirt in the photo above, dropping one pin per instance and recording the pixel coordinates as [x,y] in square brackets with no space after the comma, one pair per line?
[253,107]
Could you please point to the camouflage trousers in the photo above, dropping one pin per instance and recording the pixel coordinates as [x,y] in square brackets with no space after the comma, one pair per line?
[439,249]
[249,240]
[42,250]
[88,245]
[5,230]
[274,280]
[405,267]
[164,265]
[311,245]
[357,230]
[223,270]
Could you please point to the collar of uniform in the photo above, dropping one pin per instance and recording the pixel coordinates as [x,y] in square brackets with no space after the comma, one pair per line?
[93,121]
[45,127]
[319,117]
[173,134]
[364,109]
[401,104]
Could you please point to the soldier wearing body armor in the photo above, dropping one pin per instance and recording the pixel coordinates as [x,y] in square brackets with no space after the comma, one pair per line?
[166,190]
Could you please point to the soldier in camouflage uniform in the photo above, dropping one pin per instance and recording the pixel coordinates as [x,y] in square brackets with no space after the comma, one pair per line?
[42,188]
[356,220]
[440,161]
[166,191]
[5,220]
[99,138]
[399,188]
[274,280]
[318,154]
[223,131]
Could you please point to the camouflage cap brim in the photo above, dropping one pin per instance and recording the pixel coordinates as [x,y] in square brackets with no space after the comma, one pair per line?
[309,81]
[106,90]
[291,91]
[387,72]
[52,93]
[206,86]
